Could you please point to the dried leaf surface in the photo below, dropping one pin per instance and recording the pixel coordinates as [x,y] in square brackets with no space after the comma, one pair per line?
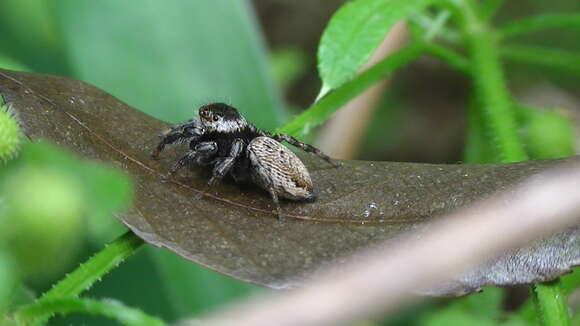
[231,228]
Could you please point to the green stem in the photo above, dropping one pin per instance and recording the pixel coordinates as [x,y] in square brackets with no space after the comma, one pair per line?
[500,119]
[438,25]
[570,283]
[421,24]
[490,85]
[564,61]
[330,103]
[90,272]
[109,308]
[478,149]
[534,24]
[550,303]
[96,267]
[447,55]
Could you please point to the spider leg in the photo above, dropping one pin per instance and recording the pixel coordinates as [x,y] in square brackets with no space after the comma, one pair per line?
[262,178]
[274,196]
[206,151]
[178,134]
[224,165]
[201,154]
[305,147]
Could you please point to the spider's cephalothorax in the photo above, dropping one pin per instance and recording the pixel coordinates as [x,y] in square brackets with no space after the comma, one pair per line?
[223,139]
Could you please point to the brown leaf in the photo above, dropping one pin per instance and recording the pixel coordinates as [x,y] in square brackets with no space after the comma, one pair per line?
[232,228]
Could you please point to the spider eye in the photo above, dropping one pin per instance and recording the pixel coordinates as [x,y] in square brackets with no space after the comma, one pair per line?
[217,117]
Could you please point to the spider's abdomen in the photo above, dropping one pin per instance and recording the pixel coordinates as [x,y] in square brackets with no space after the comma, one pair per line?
[274,164]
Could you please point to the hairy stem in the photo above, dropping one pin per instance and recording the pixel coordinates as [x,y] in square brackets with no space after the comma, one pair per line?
[500,119]
[447,55]
[478,149]
[96,267]
[87,274]
[490,85]
[109,308]
[330,103]
[569,284]
[550,303]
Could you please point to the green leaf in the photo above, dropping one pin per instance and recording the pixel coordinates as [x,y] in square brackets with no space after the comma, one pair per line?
[204,288]
[323,109]
[452,315]
[353,34]
[232,228]
[169,57]
[455,317]
[486,304]
[571,281]
[30,21]
[9,63]
[29,35]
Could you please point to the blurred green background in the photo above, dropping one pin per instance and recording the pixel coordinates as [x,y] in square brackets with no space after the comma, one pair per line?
[168,57]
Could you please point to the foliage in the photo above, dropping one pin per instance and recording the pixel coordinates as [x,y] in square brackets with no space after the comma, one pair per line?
[354,33]
[187,58]
[225,229]
[10,133]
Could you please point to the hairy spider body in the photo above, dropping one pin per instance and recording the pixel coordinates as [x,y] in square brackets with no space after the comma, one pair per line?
[223,139]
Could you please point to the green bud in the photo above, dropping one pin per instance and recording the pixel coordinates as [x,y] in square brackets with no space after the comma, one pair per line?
[10,134]
[43,209]
[550,135]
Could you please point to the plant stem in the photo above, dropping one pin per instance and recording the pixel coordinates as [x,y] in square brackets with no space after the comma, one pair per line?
[550,303]
[333,101]
[478,149]
[90,272]
[564,61]
[500,119]
[569,283]
[534,24]
[448,56]
[96,267]
[108,308]
[490,85]
[438,25]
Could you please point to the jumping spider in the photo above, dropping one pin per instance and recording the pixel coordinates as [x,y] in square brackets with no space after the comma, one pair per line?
[223,139]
